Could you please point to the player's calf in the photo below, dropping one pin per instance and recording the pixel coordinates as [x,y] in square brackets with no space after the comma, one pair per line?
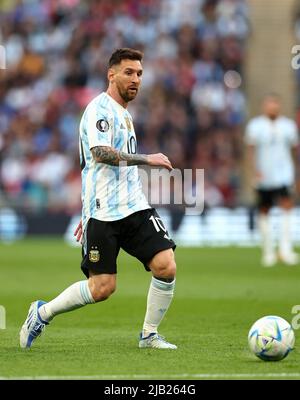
[102,286]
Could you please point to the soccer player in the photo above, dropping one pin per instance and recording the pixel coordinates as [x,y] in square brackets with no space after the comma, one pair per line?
[272,140]
[115,212]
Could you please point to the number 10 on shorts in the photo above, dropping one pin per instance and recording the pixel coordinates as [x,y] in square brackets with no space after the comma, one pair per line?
[158,225]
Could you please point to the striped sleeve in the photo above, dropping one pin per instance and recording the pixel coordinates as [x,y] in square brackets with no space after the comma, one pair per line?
[98,125]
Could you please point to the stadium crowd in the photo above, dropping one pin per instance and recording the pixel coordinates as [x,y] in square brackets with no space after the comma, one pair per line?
[191,105]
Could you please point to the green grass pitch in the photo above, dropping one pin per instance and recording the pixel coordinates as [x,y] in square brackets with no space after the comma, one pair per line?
[220,292]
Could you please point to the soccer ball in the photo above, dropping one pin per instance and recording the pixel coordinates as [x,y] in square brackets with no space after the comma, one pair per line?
[271,338]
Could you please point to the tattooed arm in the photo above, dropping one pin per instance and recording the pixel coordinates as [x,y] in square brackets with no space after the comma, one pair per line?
[111,156]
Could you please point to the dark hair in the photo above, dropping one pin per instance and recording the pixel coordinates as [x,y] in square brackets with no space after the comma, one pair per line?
[124,54]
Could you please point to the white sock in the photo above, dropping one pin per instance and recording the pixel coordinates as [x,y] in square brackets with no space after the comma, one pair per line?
[285,242]
[268,244]
[75,296]
[159,299]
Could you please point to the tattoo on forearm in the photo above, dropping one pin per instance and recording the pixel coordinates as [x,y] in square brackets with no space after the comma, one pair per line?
[133,159]
[110,156]
[106,155]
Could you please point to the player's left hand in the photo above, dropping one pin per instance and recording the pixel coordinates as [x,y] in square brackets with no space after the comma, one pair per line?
[159,160]
[78,232]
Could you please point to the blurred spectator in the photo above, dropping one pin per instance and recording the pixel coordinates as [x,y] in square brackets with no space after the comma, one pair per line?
[55,58]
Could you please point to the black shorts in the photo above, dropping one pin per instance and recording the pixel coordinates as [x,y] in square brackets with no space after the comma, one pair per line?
[141,234]
[269,198]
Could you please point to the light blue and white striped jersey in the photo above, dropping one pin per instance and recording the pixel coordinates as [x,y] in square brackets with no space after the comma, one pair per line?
[109,193]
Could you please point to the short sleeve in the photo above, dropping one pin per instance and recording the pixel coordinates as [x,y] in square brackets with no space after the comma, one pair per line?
[250,134]
[294,136]
[98,125]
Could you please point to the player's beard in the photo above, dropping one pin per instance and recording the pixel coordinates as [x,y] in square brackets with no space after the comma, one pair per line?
[126,94]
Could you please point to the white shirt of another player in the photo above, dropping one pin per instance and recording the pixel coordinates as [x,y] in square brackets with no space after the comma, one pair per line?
[109,193]
[273,141]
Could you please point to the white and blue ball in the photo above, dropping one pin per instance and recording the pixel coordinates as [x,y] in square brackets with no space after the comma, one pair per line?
[271,338]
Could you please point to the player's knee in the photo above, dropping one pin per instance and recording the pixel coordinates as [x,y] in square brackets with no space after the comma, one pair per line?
[171,269]
[286,203]
[163,264]
[166,269]
[264,210]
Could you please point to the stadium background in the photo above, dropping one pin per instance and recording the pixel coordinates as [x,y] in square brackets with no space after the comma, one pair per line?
[207,65]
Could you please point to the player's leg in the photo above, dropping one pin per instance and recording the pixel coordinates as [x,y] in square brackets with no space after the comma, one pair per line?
[161,290]
[148,240]
[286,252]
[159,298]
[268,244]
[97,288]
[99,265]
[265,201]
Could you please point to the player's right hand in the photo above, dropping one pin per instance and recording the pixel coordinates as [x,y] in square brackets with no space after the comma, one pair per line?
[78,232]
[159,160]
